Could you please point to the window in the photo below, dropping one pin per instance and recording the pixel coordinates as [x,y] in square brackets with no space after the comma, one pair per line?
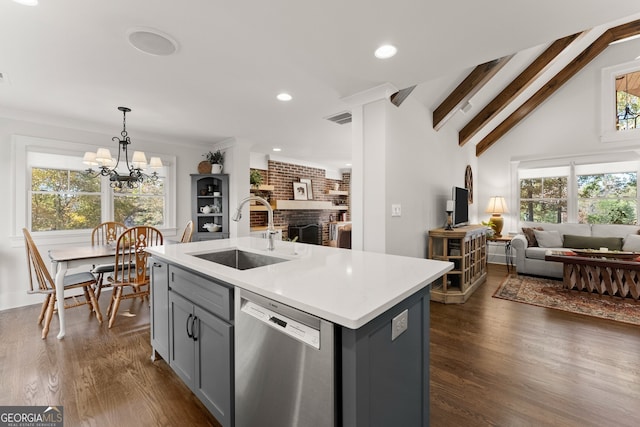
[620,89]
[64,200]
[543,199]
[56,200]
[141,206]
[608,198]
[590,193]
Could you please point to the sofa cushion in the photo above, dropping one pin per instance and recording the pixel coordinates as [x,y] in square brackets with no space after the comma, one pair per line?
[538,253]
[631,243]
[548,239]
[591,242]
[612,230]
[564,228]
[530,235]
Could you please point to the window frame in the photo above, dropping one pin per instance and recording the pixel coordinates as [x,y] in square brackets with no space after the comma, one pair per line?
[21,185]
[608,131]
[609,163]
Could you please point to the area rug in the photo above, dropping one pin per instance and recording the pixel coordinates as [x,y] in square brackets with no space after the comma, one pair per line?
[550,294]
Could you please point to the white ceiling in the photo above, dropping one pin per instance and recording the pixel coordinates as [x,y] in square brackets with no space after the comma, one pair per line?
[69,61]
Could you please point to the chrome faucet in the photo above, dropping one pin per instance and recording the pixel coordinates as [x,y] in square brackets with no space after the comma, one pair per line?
[271,230]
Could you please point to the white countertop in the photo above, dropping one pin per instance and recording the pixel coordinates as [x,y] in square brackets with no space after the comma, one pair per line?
[346,287]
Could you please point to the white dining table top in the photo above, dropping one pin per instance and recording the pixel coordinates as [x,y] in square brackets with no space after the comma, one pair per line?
[81,252]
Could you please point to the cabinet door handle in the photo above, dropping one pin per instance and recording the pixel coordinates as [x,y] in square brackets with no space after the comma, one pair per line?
[156,265]
[193,328]
[189,333]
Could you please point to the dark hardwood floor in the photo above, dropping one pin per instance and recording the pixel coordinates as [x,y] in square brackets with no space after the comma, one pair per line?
[501,363]
[493,363]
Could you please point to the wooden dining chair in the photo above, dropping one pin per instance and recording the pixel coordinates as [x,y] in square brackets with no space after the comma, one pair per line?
[187,233]
[41,282]
[131,274]
[105,234]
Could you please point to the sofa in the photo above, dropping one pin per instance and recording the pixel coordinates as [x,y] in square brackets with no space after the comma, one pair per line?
[537,238]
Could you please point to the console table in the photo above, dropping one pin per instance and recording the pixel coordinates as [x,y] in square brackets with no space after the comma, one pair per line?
[602,275]
[466,248]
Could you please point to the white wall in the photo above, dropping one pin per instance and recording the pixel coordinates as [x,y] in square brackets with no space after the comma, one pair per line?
[566,124]
[422,167]
[13,267]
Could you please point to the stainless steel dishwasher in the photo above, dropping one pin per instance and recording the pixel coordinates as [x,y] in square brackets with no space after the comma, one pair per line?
[284,365]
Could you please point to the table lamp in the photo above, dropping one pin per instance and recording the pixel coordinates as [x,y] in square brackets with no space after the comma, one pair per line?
[497,206]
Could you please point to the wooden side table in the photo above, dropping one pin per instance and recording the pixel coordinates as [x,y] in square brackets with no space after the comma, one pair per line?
[506,240]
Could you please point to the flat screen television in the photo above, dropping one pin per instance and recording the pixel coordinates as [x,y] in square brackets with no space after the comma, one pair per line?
[460,206]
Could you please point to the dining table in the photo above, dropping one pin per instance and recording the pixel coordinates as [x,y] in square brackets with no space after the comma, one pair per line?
[75,256]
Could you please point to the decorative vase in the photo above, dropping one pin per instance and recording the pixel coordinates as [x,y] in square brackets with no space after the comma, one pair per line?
[216,168]
[204,167]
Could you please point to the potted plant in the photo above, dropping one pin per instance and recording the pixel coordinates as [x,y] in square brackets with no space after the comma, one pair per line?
[216,160]
[255,178]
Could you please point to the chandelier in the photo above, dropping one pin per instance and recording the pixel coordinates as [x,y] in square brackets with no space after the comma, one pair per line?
[108,166]
[628,116]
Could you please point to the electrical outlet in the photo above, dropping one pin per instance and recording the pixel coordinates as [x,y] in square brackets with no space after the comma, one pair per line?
[399,324]
[396,210]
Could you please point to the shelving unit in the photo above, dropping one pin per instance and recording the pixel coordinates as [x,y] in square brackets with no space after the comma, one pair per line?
[262,187]
[300,205]
[203,187]
[466,247]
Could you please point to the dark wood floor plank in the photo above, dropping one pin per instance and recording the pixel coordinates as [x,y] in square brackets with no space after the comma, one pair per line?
[493,363]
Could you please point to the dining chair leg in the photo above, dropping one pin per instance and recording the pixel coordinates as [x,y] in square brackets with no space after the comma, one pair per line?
[47,319]
[87,297]
[99,279]
[116,304]
[94,306]
[43,310]
[113,295]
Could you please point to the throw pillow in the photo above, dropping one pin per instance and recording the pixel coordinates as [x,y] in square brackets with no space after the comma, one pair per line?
[548,239]
[592,242]
[530,235]
[631,243]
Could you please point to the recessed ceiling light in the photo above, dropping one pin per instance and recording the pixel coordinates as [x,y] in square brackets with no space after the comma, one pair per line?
[277,149]
[347,164]
[27,2]
[284,97]
[152,41]
[385,51]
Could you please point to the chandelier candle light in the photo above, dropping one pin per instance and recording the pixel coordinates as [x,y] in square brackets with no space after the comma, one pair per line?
[449,210]
[497,206]
[109,167]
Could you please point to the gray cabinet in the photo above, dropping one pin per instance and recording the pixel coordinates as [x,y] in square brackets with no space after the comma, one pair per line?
[385,375]
[201,342]
[159,309]
[210,205]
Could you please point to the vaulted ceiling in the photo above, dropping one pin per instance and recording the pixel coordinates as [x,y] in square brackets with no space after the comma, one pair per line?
[532,73]
[69,63]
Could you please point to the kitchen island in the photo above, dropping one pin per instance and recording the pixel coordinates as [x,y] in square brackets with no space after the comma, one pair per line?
[377,307]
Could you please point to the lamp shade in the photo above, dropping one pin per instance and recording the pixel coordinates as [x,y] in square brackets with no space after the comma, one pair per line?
[139,160]
[497,205]
[103,156]
[155,162]
[89,158]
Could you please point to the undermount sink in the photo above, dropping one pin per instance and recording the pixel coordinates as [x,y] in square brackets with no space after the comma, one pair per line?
[239,259]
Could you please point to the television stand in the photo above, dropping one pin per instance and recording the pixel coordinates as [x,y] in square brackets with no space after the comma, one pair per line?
[466,248]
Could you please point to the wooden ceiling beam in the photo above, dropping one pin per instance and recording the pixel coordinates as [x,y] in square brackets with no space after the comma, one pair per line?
[515,88]
[466,89]
[613,34]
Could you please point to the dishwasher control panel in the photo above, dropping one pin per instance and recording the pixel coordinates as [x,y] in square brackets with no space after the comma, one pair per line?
[282,323]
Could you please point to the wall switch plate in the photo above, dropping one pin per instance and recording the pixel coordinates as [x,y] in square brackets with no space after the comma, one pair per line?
[396,210]
[399,324]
